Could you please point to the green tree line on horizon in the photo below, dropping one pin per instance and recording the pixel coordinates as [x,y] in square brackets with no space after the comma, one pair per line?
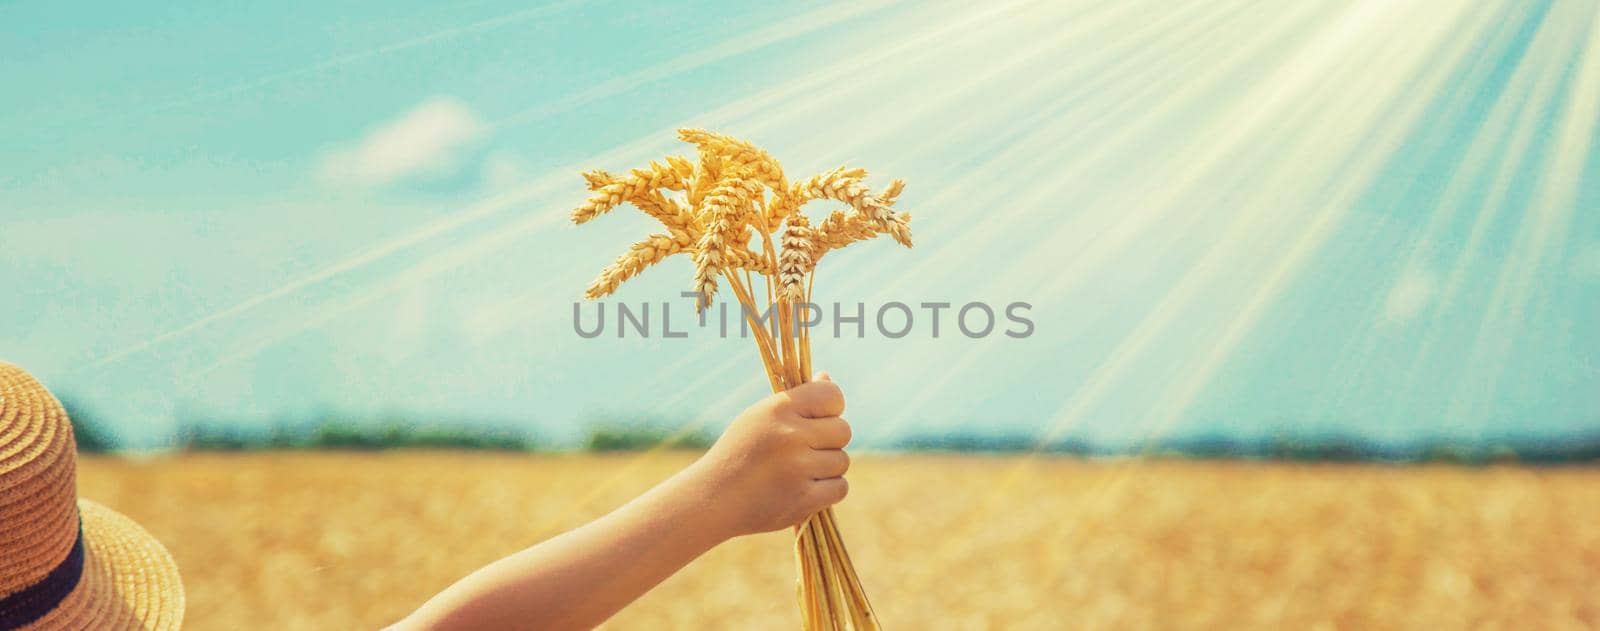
[335,432]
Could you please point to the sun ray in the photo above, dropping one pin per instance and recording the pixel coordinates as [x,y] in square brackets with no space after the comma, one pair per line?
[1362,116]
[1548,216]
[1581,111]
[1388,128]
[1503,138]
[1182,95]
[1116,232]
[1339,199]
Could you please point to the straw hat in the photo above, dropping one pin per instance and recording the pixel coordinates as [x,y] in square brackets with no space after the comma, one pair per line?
[67,563]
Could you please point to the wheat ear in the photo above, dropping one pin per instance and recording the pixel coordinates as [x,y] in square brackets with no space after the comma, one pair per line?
[657,248]
[598,178]
[790,200]
[877,209]
[742,157]
[839,230]
[641,255]
[721,214]
[670,212]
[640,181]
[742,258]
[706,177]
[796,261]
[892,191]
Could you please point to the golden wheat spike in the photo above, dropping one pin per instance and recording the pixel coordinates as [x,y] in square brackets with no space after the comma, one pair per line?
[671,213]
[598,178]
[604,199]
[790,200]
[892,191]
[706,176]
[641,255]
[839,230]
[663,176]
[682,166]
[875,208]
[657,248]
[636,184]
[743,258]
[742,157]
[721,214]
[795,261]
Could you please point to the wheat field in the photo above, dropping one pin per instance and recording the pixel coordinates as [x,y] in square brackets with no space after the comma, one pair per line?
[355,540]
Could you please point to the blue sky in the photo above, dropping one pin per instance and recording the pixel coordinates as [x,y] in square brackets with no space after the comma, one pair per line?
[1369,218]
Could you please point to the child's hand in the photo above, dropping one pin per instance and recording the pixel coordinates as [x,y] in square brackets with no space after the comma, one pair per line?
[780,461]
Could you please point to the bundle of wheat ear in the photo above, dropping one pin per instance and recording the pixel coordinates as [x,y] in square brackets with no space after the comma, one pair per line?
[716,209]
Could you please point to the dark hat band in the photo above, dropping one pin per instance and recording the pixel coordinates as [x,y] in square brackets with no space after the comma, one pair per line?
[36,600]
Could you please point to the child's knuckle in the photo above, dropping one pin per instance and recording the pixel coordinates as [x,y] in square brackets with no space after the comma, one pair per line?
[831,393]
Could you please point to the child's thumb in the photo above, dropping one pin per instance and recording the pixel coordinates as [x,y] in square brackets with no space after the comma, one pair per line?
[822,375]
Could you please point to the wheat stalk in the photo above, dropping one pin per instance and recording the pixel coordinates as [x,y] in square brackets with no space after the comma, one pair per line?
[711,209]
[656,248]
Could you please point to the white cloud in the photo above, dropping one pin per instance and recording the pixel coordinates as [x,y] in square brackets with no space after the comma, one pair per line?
[1409,296]
[428,140]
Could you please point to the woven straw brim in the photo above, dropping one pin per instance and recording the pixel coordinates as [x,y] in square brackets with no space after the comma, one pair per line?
[129,581]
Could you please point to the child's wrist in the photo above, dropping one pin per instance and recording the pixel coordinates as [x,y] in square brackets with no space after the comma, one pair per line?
[697,489]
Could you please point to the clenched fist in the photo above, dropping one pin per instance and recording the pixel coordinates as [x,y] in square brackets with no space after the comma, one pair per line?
[780,461]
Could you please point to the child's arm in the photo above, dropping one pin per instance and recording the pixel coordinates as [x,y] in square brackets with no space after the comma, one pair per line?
[780,461]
